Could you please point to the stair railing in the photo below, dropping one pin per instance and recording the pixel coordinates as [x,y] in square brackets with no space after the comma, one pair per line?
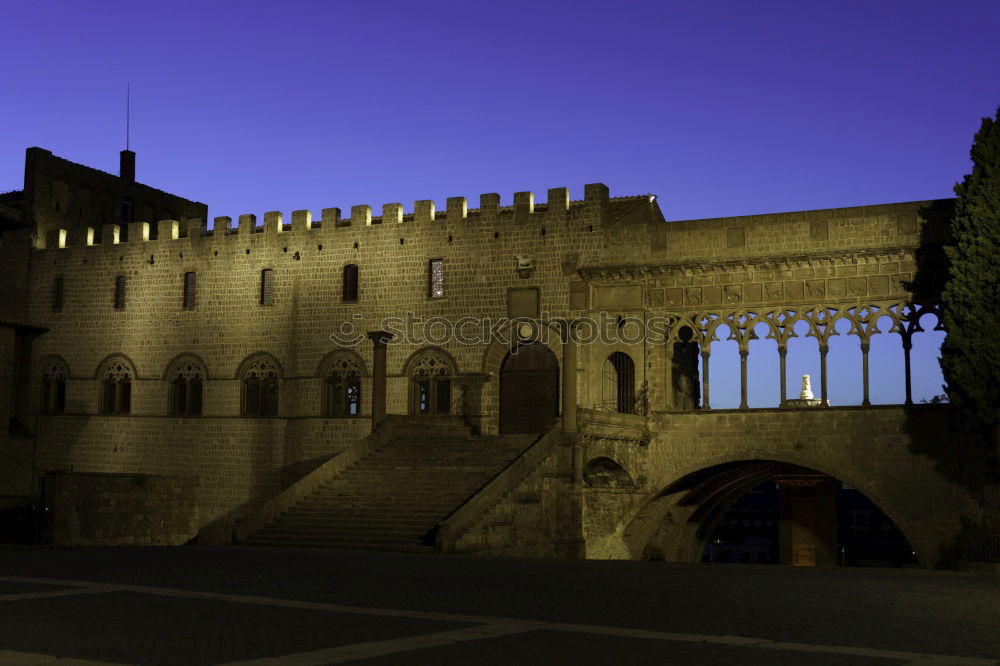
[451,528]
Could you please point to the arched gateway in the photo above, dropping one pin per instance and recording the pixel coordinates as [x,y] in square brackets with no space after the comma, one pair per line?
[529,389]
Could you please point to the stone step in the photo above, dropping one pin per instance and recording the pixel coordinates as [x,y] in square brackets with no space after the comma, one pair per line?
[330,541]
[424,492]
[357,534]
[385,508]
[345,521]
[345,544]
[397,494]
[344,508]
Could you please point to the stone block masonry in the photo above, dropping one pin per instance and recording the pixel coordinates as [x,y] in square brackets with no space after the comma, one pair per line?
[119,509]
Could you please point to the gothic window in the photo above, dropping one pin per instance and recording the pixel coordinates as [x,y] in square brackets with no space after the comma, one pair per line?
[267,287]
[350,283]
[435,278]
[260,388]
[190,286]
[57,294]
[343,386]
[116,387]
[53,400]
[618,383]
[430,384]
[187,378]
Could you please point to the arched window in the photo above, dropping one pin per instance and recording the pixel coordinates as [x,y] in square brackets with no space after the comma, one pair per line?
[431,375]
[187,377]
[54,373]
[116,387]
[260,388]
[618,383]
[342,386]
[350,283]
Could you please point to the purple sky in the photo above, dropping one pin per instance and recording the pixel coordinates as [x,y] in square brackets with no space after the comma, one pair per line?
[728,108]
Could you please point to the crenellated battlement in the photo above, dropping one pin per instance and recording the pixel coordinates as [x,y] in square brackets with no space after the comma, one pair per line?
[558,208]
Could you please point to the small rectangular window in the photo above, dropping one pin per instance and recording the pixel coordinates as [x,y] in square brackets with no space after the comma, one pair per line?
[57,295]
[350,279]
[267,286]
[189,289]
[120,292]
[435,278]
[126,211]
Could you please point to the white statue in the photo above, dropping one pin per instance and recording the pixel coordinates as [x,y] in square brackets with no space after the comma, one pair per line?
[806,393]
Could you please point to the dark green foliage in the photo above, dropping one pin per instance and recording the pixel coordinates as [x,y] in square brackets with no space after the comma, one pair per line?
[970,355]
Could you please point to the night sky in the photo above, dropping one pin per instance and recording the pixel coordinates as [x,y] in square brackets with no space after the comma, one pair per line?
[729,108]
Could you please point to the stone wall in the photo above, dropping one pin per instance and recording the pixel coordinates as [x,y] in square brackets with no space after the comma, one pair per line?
[239,462]
[803,233]
[119,509]
[899,457]
[615,255]
[78,199]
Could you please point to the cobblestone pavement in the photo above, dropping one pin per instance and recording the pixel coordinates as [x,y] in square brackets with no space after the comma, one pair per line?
[204,606]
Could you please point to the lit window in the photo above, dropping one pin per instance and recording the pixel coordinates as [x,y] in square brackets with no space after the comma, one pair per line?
[343,387]
[435,282]
[431,379]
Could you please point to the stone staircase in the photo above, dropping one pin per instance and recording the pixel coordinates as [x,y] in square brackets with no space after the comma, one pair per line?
[392,498]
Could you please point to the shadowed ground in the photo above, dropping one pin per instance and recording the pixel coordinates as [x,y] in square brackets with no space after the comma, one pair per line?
[222,605]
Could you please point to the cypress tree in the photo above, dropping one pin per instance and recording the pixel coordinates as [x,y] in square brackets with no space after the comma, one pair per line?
[970,354]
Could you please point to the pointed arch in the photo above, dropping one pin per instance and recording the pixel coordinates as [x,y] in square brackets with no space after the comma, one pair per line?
[431,372]
[53,373]
[341,372]
[185,376]
[115,374]
[260,378]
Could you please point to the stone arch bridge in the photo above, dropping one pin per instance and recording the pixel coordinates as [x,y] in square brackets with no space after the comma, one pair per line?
[668,490]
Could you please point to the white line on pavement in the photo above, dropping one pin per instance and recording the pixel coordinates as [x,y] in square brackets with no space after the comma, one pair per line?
[517,625]
[345,653]
[10,658]
[52,593]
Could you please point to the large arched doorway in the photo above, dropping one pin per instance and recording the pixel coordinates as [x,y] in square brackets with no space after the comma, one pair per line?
[529,389]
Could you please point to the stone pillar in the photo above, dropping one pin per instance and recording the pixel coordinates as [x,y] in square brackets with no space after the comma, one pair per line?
[379,339]
[823,397]
[704,378]
[744,353]
[865,347]
[782,353]
[907,346]
[807,520]
[569,379]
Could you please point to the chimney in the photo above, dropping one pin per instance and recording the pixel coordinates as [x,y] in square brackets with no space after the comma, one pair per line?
[126,170]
